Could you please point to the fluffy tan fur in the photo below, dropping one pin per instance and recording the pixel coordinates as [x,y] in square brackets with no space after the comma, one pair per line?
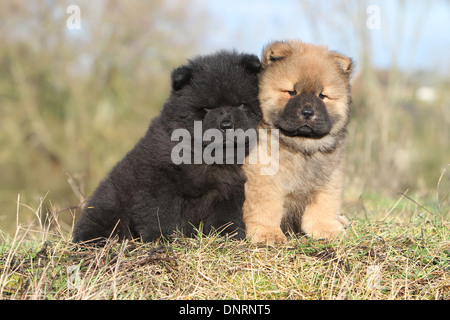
[305,194]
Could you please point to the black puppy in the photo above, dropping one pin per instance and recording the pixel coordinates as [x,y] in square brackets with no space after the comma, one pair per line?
[151,192]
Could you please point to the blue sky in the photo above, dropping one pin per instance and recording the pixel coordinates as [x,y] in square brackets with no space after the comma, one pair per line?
[415,35]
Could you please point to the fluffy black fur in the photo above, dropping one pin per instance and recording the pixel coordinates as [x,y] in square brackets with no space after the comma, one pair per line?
[146,195]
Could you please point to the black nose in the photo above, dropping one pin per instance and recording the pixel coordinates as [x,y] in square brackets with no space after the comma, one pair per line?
[307,113]
[226,124]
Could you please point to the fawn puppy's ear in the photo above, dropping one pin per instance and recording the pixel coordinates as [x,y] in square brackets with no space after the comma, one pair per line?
[344,63]
[274,52]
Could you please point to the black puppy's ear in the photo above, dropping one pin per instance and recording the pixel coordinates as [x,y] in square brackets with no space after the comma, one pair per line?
[180,77]
[251,63]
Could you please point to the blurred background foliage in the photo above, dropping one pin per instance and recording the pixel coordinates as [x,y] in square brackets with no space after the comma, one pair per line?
[73,102]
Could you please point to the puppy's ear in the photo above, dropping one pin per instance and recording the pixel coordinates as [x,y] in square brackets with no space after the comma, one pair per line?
[251,63]
[344,63]
[180,77]
[275,51]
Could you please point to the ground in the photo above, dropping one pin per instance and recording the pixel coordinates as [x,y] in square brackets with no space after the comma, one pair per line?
[390,257]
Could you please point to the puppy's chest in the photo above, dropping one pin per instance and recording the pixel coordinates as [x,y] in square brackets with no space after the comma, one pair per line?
[302,173]
[221,180]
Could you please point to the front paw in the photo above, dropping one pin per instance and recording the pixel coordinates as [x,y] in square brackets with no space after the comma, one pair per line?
[325,230]
[266,235]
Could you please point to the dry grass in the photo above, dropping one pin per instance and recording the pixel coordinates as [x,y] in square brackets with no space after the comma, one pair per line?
[395,259]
